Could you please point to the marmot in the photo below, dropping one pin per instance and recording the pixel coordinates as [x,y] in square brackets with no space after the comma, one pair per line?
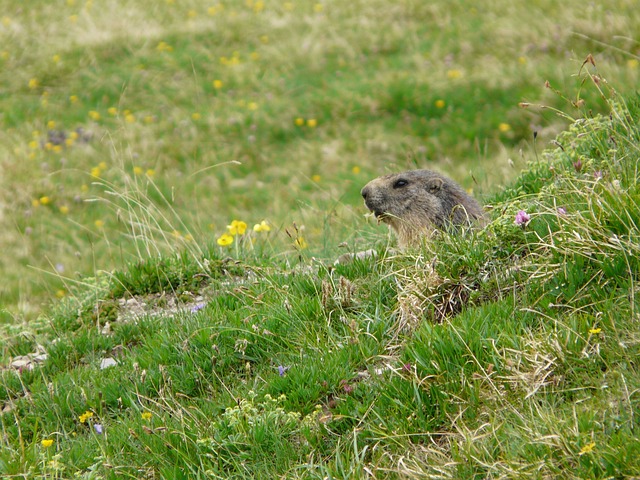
[417,202]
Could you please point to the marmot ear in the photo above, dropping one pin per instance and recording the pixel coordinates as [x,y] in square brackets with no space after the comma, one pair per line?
[434,185]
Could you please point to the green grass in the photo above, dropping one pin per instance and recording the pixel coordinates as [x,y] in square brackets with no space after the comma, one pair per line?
[509,351]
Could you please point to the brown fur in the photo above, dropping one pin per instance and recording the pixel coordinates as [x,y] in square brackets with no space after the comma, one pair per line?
[417,202]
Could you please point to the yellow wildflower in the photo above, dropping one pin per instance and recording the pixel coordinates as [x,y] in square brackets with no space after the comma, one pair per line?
[113,111]
[96,172]
[261,227]
[217,84]
[225,239]
[150,172]
[254,56]
[85,416]
[47,442]
[312,123]
[73,18]
[60,293]
[504,127]
[69,142]
[164,47]
[33,83]
[35,203]
[57,148]
[73,98]
[212,10]
[98,224]
[6,21]
[45,200]
[299,121]
[355,169]
[130,118]
[595,331]
[74,135]
[440,103]
[264,38]
[93,115]
[33,145]
[137,170]
[102,165]
[454,74]
[237,227]
[146,415]
[64,209]
[587,448]
[301,243]
[196,116]
[633,63]
[149,119]
[318,7]
[316,178]
[288,6]
[56,58]
[252,106]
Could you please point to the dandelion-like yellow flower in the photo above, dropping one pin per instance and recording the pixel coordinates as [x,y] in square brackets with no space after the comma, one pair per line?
[4,54]
[440,103]
[318,7]
[149,119]
[633,63]
[56,58]
[301,243]
[73,98]
[254,56]
[93,115]
[85,416]
[196,116]
[73,18]
[225,239]
[45,200]
[57,148]
[164,47]
[264,39]
[102,165]
[212,10]
[287,6]
[261,227]
[355,170]
[258,6]
[130,118]
[6,21]
[146,415]
[217,84]
[137,170]
[96,172]
[252,106]
[60,293]
[84,188]
[47,442]
[454,74]
[33,83]
[316,178]
[69,142]
[35,203]
[33,145]
[64,209]
[312,123]
[98,224]
[504,127]
[595,331]
[150,172]
[237,227]
[299,121]
[48,146]
[113,111]
[587,448]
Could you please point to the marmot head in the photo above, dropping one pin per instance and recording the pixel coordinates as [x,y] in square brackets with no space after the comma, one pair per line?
[417,202]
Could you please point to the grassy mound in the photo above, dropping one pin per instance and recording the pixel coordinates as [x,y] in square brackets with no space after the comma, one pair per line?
[517,357]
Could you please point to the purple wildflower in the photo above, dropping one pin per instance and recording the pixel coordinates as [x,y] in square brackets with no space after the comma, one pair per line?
[522,218]
[597,174]
[562,211]
[577,165]
[98,428]
[197,307]
[282,370]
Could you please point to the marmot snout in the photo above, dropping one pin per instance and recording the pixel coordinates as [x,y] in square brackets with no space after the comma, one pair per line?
[417,202]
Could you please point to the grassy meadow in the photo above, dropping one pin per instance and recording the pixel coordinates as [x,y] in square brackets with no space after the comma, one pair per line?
[177,177]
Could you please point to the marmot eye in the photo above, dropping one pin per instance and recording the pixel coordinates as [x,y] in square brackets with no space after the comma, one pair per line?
[400,183]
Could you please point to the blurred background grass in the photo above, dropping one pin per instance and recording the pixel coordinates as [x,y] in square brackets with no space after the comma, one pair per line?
[133,127]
